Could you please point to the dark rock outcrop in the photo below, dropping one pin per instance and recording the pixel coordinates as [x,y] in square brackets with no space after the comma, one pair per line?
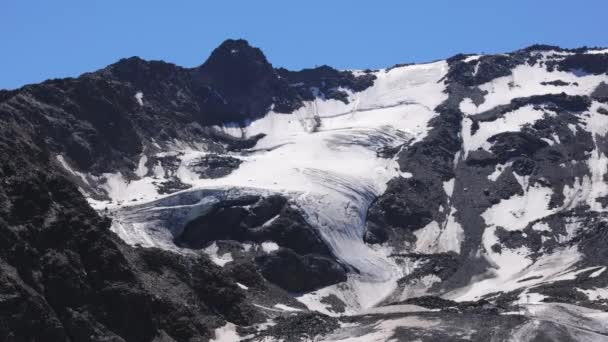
[214,166]
[65,277]
[297,273]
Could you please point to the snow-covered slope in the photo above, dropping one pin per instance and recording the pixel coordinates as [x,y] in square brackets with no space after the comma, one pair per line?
[324,156]
[478,178]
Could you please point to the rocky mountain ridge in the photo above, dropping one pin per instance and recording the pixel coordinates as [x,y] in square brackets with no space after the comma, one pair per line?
[394,203]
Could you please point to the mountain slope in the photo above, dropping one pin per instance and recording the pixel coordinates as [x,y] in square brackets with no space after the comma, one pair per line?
[404,201]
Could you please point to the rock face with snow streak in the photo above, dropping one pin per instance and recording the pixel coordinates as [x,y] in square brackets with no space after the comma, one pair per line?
[411,201]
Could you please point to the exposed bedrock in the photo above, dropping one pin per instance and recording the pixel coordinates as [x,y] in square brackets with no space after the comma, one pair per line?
[303,262]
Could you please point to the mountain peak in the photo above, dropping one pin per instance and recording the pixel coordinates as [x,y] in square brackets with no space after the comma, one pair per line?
[236,51]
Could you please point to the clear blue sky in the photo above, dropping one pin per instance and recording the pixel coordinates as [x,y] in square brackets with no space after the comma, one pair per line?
[56,38]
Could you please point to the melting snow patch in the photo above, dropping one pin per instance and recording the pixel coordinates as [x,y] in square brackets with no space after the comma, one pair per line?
[269,246]
[513,266]
[467,106]
[139,96]
[497,171]
[519,210]
[381,331]
[220,260]
[142,170]
[509,122]
[525,81]
[527,297]
[595,294]
[597,273]
[286,308]
[227,333]
[541,227]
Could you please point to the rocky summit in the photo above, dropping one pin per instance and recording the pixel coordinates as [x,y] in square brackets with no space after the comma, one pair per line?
[460,200]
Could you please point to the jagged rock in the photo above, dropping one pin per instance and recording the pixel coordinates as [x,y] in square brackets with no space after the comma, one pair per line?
[214,166]
[254,219]
[534,185]
[300,273]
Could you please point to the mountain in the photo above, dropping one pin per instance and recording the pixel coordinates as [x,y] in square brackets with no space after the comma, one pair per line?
[463,199]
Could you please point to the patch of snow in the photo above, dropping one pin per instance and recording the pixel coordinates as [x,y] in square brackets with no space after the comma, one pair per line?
[595,294]
[220,260]
[390,309]
[472,58]
[380,331]
[527,297]
[509,122]
[525,81]
[121,190]
[419,287]
[227,333]
[597,52]
[433,239]
[356,294]
[69,169]
[142,170]
[517,211]
[498,171]
[242,286]
[467,106]
[406,174]
[448,187]
[541,227]
[597,125]
[139,97]
[269,246]
[597,273]
[286,308]
[158,170]
[512,266]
